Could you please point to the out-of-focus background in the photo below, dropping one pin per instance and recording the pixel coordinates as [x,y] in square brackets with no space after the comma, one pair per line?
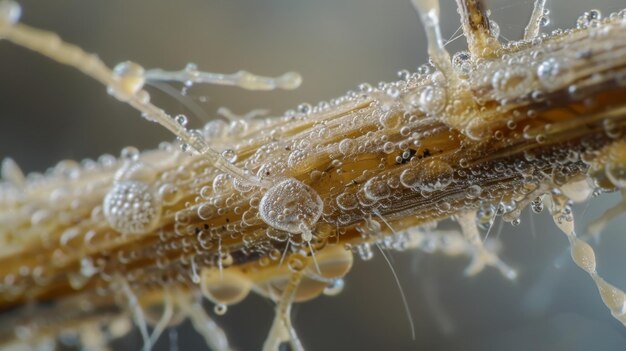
[49,112]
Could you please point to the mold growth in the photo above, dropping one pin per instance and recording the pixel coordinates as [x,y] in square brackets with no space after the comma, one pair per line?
[278,206]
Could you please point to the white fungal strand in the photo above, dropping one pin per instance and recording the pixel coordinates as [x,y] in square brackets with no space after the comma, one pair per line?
[242,79]
[429,13]
[279,205]
[481,256]
[536,19]
[584,256]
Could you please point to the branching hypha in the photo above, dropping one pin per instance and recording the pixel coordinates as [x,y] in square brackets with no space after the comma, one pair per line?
[278,206]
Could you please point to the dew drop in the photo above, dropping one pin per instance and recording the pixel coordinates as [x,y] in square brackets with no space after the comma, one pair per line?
[511,82]
[588,18]
[550,73]
[206,211]
[220,309]
[131,207]
[461,61]
[229,155]
[181,120]
[291,206]
[222,183]
[347,146]
[376,189]
[347,201]
[129,153]
[434,175]
[10,13]
[495,28]
[335,288]
[169,193]
[432,99]
[473,191]
[365,251]
[128,80]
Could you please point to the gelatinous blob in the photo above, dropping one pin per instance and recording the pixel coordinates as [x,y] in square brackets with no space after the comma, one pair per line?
[227,287]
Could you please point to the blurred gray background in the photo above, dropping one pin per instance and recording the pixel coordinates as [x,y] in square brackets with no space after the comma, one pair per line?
[50,112]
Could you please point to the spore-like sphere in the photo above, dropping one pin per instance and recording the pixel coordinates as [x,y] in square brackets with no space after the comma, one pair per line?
[131,207]
[292,206]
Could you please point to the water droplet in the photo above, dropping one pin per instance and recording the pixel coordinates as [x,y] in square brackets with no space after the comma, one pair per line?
[220,309]
[404,74]
[476,129]
[347,201]
[537,205]
[229,155]
[222,183]
[432,99]
[128,80]
[511,82]
[550,73]
[461,61]
[431,175]
[391,119]
[335,288]
[131,207]
[304,108]
[206,211]
[473,191]
[393,92]
[409,178]
[169,193]
[376,189]
[129,153]
[347,146]
[291,206]
[423,69]
[588,18]
[10,13]
[365,251]
[388,147]
[296,263]
[181,120]
[495,28]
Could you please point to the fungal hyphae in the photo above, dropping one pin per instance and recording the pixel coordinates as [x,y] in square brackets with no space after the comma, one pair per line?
[278,206]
